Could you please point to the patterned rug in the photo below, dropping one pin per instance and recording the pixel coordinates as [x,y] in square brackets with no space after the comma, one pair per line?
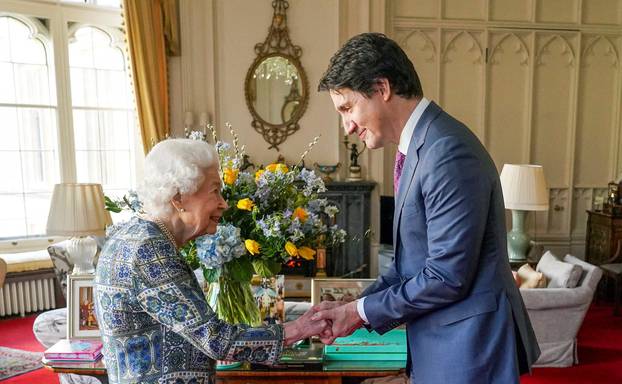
[15,362]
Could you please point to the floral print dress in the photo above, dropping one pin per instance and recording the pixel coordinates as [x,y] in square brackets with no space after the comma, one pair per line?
[155,323]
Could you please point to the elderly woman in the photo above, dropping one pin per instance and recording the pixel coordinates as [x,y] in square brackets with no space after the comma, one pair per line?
[155,323]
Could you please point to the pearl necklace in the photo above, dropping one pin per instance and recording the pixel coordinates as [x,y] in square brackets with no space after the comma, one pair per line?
[164,229]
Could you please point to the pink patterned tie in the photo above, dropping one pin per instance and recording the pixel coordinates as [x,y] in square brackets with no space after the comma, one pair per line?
[397,172]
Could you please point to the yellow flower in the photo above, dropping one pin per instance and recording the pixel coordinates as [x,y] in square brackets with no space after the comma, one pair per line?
[229,175]
[277,167]
[258,174]
[301,214]
[246,204]
[291,249]
[306,253]
[252,246]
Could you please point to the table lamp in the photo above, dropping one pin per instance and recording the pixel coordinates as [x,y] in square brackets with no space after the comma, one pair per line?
[524,189]
[77,210]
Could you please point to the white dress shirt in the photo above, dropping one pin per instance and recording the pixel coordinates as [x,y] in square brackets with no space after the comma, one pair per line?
[405,137]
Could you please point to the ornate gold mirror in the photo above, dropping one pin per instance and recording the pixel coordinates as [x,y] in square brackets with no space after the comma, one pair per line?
[276,87]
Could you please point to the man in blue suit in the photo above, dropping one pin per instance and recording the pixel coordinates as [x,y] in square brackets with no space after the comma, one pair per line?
[450,281]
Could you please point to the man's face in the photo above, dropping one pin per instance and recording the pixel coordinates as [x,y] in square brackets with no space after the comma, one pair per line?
[361,115]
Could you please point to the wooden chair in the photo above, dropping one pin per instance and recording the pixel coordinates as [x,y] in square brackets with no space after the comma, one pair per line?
[612,269]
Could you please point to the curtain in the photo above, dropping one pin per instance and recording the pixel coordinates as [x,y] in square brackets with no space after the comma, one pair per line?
[148,26]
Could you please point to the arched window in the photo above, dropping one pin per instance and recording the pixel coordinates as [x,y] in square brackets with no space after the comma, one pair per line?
[103,115]
[28,114]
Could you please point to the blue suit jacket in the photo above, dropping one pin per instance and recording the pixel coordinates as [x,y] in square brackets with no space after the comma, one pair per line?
[450,280]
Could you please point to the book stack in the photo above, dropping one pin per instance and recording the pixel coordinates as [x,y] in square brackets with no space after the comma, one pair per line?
[75,350]
[367,350]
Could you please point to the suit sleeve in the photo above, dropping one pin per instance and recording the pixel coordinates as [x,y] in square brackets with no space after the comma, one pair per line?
[383,281]
[169,293]
[456,193]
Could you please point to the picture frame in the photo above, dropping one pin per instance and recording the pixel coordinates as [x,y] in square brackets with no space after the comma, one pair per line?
[336,289]
[269,295]
[81,319]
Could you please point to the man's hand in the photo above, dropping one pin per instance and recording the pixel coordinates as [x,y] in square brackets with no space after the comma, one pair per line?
[344,319]
[303,327]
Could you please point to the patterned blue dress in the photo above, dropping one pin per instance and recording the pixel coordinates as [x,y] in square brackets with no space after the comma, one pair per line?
[155,323]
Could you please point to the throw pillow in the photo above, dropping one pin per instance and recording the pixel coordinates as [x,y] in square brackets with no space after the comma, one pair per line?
[531,278]
[559,274]
[517,280]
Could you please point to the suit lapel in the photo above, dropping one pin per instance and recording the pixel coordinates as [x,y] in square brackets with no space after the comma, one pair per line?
[410,164]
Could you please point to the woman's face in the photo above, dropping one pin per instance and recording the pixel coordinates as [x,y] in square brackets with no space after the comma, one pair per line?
[203,209]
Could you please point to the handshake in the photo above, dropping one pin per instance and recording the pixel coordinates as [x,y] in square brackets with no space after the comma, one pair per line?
[328,320]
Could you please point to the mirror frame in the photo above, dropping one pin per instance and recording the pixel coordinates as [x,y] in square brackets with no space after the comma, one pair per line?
[277,43]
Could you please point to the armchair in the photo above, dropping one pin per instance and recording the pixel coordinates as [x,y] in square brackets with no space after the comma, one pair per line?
[557,314]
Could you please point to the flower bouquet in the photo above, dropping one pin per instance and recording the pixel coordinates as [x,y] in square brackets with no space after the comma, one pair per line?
[274,215]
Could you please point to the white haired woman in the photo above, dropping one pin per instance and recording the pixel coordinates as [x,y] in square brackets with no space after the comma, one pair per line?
[155,323]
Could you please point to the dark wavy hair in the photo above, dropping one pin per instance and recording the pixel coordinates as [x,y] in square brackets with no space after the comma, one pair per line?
[367,58]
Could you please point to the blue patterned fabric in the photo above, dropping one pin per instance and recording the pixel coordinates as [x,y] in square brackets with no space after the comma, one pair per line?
[155,323]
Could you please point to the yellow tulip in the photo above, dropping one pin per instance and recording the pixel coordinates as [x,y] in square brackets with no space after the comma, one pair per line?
[306,253]
[258,174]
[246,204]
[252,246]
[291,249]
[301,214]
[230,175]
[277,167]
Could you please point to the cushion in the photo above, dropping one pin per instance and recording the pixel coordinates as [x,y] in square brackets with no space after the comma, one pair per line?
[559,273]
[27,261]
[531,278]
[517,279]
[62,264]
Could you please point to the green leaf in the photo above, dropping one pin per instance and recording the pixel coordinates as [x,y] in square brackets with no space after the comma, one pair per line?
[266,268]
[211,275]
[111,206]
[240,269]
[189,252]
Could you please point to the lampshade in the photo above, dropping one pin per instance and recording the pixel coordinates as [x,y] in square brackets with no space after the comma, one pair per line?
[524,187]
[78,210]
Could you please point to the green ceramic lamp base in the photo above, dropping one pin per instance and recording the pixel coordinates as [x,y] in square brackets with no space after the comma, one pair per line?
[519,242]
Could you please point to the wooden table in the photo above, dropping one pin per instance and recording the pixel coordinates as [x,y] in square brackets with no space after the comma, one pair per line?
[327,376]
[95,369]
[245,375]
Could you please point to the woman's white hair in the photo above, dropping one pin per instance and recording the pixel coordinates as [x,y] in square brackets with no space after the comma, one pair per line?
[174,166]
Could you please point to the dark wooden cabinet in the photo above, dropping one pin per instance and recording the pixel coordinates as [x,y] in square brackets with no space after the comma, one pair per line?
[354,202]
[604,231]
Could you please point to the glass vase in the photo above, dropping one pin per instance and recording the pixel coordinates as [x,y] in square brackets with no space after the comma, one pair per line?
[233,302]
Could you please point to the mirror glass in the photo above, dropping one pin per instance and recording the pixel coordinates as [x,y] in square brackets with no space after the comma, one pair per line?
[276,87]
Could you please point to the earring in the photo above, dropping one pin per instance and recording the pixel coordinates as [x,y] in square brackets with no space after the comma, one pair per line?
[182,210]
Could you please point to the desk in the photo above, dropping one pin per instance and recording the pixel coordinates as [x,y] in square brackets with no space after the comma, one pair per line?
[244,375]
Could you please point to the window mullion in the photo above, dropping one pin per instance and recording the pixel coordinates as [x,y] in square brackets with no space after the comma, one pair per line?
[66,142]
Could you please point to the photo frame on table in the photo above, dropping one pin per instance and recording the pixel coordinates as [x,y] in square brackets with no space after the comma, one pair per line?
[81,319]
[268,293]
[337,289]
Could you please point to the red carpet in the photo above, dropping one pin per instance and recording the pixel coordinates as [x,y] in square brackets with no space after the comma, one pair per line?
[600,352]
[17,333]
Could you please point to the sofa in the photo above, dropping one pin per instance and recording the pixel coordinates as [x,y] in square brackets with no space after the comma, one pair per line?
[556,314]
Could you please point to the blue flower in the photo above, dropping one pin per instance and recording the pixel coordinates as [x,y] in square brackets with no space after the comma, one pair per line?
[223,246]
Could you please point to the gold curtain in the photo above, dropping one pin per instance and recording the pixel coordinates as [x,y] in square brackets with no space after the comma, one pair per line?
[149,25]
